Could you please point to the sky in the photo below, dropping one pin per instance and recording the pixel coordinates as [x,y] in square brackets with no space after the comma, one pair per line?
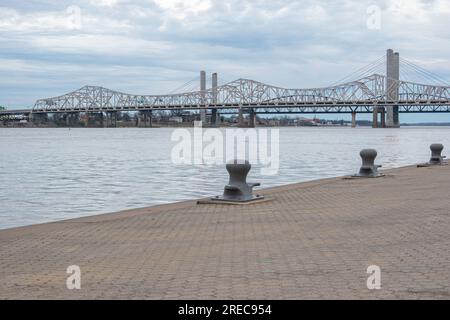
[49,48]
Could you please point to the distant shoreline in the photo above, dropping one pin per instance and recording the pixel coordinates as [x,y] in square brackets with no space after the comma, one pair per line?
[229,126]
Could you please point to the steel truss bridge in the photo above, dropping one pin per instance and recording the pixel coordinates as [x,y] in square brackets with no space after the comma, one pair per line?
[356,96]
[371,92]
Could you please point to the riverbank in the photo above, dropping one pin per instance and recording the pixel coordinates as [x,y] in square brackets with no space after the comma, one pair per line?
[312,240]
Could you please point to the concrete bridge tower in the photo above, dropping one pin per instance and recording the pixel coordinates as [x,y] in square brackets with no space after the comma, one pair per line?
[392,77]
[215,116]
[203,91]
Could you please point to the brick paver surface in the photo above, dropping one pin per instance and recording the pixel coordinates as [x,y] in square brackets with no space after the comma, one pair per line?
[312,240]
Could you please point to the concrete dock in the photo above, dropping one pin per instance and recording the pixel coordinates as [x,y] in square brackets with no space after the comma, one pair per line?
[312,240]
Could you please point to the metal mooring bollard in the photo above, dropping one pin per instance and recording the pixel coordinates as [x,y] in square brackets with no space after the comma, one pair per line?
[368,169]
[436,154]
[237,189]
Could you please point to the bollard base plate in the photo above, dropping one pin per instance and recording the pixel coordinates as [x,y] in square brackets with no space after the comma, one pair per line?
[357,176]
[220,200]
[422,165]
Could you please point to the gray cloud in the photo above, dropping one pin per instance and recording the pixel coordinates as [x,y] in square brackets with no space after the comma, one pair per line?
[155,46]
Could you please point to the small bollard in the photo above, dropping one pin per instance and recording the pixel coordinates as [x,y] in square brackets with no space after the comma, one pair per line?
[436,154]
[368,169]
[237,189]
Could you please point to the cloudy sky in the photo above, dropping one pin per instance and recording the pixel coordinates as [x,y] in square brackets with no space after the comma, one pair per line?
[48,47]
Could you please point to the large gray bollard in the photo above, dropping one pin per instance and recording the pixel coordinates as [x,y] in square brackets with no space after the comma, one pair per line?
[368,169]
[238,189]
[436,154]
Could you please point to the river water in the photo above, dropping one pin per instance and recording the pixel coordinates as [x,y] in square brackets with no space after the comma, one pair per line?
[53,174]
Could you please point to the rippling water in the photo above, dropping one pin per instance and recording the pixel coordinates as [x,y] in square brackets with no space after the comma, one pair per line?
[53,174]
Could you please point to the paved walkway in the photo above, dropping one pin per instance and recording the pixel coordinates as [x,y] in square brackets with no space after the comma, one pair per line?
[313,240]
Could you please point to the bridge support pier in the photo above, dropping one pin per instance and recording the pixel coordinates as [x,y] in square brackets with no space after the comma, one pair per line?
[145,119]
[203,116]
[114,119]
[375,117]
[38,118]
[111,119]
[87,118]
[353,119]
[108,119]
[252,118]
[93,119]
[72,119]
[76,118]
[214,117]
[382,122]
[392,117]
[241,118]
[102,120]
[150,118]
[139,119]
[218,119]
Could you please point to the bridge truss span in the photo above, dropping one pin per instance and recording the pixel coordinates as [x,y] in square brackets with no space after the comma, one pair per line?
[363,93]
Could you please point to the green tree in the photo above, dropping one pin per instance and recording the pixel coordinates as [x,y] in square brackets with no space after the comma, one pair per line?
[2,108]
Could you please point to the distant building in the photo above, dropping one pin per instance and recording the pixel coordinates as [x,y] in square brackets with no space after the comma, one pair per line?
[273,122]
[305,122]
[176,119]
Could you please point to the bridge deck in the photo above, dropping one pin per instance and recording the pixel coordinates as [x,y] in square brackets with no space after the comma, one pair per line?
[274,108]
[313,240]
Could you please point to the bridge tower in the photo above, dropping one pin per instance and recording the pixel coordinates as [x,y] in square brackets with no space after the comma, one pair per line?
[392,77]
[203,91]
[215,116]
